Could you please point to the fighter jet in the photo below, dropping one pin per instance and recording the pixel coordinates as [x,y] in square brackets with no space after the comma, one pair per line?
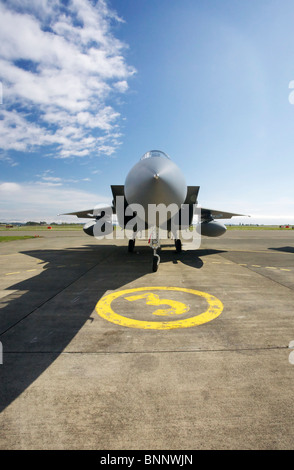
[154,182]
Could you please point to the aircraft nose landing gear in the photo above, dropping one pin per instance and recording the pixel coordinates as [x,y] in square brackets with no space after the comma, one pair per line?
[155,245]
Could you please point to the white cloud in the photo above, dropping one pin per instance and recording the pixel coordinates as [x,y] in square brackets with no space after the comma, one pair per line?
[65,66]
[121,86]
[18,133]
[47,178]
[44,201]
[7,189]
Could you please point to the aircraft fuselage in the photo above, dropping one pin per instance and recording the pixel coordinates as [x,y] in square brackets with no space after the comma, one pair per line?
[155,179]
[155,196]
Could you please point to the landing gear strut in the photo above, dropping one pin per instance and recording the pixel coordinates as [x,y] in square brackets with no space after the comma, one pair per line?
[155,245]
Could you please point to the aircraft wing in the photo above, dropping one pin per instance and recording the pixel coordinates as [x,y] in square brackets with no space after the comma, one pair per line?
[89,213]
[208,214]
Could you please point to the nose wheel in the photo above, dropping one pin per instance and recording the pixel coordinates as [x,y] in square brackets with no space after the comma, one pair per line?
[155,262]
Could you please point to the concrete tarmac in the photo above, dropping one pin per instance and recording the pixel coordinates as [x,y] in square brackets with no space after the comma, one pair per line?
[99,352]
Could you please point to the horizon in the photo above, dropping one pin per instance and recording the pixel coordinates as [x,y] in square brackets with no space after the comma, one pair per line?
[87,87]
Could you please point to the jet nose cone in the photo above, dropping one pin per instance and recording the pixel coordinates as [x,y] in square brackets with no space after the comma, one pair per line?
[155,181]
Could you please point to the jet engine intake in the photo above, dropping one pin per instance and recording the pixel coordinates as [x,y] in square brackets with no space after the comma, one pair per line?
[102,226]
[89,228]
[98,228]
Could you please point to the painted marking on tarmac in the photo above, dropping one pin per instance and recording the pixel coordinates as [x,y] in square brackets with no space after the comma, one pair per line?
[259,251]
[103,308]
[39,268]
[176,308]
[265,267]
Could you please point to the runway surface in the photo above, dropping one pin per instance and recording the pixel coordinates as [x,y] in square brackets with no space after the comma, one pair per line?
[99,352]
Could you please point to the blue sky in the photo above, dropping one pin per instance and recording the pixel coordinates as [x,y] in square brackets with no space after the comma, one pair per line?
[88,87]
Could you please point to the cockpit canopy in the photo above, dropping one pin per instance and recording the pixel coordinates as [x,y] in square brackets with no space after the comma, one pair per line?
[154,153]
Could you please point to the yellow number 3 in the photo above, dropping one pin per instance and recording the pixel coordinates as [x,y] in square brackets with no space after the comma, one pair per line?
[176,308]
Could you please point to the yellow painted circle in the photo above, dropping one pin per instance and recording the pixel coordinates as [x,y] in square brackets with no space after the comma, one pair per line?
[103,308]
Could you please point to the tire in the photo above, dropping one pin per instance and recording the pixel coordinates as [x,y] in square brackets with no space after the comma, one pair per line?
[155,264]
[178,244]
[131,246]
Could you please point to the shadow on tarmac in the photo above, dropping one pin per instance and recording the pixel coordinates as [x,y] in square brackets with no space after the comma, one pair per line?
[36,323]
[286,249]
